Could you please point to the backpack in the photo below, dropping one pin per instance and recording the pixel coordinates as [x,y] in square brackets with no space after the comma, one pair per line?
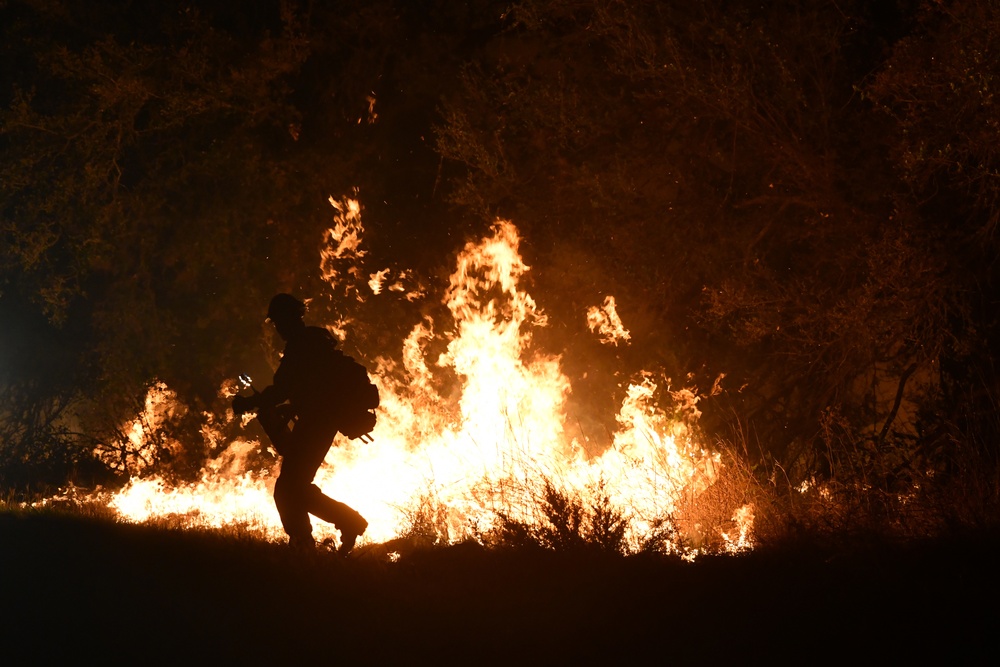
[358,398]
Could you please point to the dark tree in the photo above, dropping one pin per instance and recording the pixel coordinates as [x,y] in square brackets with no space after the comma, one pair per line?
[718,168]
[167,169]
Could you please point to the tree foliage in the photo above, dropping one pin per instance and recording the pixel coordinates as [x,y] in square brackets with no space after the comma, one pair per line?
[723,166]
[166,171]
[800,196]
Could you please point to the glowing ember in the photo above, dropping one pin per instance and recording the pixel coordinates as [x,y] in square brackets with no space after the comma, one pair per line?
[605,322]
[376,280]
[371,116]
[459,462]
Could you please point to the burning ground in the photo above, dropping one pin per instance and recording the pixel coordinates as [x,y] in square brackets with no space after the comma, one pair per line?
[490,454]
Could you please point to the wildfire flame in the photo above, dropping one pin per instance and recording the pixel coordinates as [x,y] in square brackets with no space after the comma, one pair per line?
[604,321]
[484,452]
[142,442]
[341,248]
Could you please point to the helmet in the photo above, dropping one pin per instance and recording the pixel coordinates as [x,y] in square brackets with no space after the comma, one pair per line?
[285,307]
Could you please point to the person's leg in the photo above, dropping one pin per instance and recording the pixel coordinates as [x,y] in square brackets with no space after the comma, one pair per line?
[291,502]
[293,490]
[346,519]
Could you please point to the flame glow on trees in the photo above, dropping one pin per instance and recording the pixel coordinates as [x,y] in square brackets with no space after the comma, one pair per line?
[141,440]
[462,462]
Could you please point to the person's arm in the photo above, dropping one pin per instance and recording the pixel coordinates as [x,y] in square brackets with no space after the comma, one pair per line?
[270,396]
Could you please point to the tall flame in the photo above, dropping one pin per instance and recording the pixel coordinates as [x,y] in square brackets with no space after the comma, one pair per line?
[480,449]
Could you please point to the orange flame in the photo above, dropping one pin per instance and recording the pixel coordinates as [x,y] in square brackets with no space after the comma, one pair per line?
[605,322]
[485,449]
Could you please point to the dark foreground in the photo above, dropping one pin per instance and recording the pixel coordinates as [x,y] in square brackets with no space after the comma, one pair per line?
[89,591]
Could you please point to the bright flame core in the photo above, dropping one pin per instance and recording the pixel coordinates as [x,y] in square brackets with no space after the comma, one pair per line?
[484,453]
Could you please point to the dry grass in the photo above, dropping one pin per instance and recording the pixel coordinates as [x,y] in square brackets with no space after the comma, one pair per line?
[871,498]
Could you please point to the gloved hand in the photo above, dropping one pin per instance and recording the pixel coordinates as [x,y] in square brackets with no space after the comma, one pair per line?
[242,404]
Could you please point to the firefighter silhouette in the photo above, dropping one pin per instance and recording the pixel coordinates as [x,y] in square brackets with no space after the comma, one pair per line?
[304,393]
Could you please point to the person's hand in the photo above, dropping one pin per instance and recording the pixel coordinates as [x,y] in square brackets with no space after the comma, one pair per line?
[242,404]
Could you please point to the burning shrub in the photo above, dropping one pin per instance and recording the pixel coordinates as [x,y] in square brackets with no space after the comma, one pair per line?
[566,522]
[493,457]
[426,521]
